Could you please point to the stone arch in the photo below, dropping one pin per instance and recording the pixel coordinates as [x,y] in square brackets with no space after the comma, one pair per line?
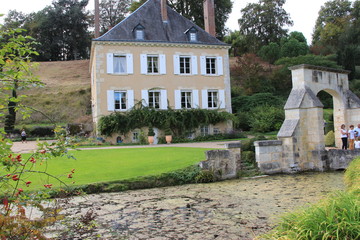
[301,136]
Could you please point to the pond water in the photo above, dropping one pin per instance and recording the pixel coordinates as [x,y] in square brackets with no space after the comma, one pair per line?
[233,209]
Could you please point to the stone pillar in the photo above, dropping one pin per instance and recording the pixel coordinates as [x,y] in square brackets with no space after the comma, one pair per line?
[269,156]
[224,163]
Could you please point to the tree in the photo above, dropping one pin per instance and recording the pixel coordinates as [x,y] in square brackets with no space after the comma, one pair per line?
[112,12]
[238,43]
[264,22]
[270,52]
[16,51]
[333,18]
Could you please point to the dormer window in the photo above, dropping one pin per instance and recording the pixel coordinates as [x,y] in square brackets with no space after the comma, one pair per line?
[192,34]
[192,37]
[139,32]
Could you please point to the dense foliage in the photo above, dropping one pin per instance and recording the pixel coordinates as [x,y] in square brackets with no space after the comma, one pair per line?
[112,12]
[179,121]
[264,22]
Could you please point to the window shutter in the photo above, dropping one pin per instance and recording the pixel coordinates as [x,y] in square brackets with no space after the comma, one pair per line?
[130,99]
[220,68]
[177,99]
[194,65]
[145,97]
[110,62]
[163,99]
[204,99]
[110,100]
[203,65]
[129,63]
[176,64]
[143,63]
[162,58]
[221,98]
[195,98]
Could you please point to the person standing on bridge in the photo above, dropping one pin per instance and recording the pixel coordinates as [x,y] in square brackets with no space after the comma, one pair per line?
[351,137]
[344,136]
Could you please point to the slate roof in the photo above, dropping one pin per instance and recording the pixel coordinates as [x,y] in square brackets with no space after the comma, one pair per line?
[149,16]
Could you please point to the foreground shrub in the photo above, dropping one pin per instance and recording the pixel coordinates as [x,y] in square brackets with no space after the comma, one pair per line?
[330,139]
[352,176]
[337,217]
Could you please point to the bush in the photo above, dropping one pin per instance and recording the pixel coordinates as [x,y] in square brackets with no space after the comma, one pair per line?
[266,118]
[330,139]
[248,157]
[205,176]
[243,122]
[337,217]
[42,132]
[352,176]
[247,103]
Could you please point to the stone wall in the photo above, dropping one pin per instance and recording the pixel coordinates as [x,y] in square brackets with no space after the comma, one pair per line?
[338,159]
[273,157]
[224,163]
[269,156]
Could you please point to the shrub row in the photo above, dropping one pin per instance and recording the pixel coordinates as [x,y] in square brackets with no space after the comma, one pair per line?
[192,174]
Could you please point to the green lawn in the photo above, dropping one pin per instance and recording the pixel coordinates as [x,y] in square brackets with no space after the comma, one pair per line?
[101,165]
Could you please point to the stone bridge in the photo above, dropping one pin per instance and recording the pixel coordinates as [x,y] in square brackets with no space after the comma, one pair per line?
[301,145]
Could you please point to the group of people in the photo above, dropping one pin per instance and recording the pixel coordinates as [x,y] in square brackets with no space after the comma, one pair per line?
[350,137]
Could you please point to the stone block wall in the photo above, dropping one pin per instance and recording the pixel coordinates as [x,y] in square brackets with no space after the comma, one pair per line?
[224,163]
[269,156]
[338,159]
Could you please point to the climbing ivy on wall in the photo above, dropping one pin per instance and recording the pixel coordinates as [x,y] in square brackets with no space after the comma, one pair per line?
[179,121]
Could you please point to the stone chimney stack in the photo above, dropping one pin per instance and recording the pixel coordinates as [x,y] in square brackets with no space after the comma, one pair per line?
[97,19]
[164,14]
[209,17]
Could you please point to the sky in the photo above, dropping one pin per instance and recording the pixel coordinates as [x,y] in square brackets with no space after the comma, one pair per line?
[303,12]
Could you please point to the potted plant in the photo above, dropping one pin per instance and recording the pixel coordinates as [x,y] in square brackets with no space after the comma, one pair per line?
[151,135]
[168,135]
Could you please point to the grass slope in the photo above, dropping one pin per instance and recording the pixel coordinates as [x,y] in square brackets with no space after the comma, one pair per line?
[102,165]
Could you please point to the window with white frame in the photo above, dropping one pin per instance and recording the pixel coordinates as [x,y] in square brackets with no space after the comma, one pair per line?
[186,99]
[135,136]
[193,37]
[152,64]
[120,100]
[185,64]
[216,131]
[212,98]
[204,130]
[154,99]
[139,34]
[211,65]
[119,62]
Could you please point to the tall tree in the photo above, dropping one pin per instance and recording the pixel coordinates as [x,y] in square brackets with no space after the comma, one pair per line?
[333,18]
[264,22]
[112,12]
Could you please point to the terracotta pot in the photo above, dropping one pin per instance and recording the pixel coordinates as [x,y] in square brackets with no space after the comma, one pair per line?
[151,139]
[168,139]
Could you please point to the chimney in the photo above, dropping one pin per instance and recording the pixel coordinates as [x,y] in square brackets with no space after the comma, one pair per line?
[164,14]
[209,17]
[97,19]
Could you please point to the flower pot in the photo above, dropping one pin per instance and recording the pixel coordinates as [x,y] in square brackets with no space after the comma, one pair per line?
[168,139]
[151,139]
